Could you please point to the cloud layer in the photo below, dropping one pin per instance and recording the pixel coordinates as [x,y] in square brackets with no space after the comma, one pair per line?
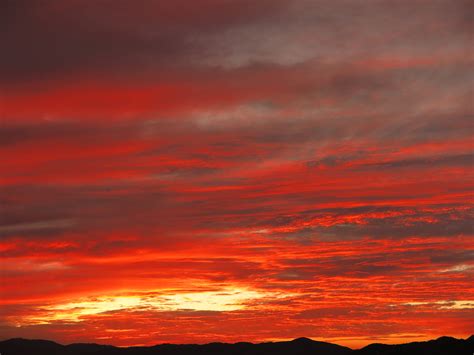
[180,172]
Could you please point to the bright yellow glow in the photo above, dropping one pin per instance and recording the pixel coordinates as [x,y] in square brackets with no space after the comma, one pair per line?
[455,304]
[74,310]
[227,299]
[458,305]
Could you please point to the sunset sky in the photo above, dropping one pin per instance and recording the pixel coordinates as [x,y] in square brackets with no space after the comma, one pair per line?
[236,170]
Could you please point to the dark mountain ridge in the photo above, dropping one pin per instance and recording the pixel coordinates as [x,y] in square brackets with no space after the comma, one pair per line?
[300,346]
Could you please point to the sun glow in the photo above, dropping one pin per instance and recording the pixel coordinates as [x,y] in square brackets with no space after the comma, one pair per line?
[227,299]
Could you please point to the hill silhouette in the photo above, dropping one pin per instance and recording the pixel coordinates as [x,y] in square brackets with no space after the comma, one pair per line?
[300,346]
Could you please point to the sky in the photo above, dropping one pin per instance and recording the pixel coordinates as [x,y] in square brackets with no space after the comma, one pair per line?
[236,170]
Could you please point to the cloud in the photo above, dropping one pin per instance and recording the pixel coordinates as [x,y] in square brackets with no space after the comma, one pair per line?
[316,154]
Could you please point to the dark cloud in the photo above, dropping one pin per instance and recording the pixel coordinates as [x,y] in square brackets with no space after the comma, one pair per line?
[115,38]
[430,161]
[67,39]
[406,224]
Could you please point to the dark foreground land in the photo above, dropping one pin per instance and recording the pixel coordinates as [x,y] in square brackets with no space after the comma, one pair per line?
[301,346]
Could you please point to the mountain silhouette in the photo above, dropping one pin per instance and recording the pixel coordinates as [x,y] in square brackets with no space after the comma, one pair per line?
[300,346]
